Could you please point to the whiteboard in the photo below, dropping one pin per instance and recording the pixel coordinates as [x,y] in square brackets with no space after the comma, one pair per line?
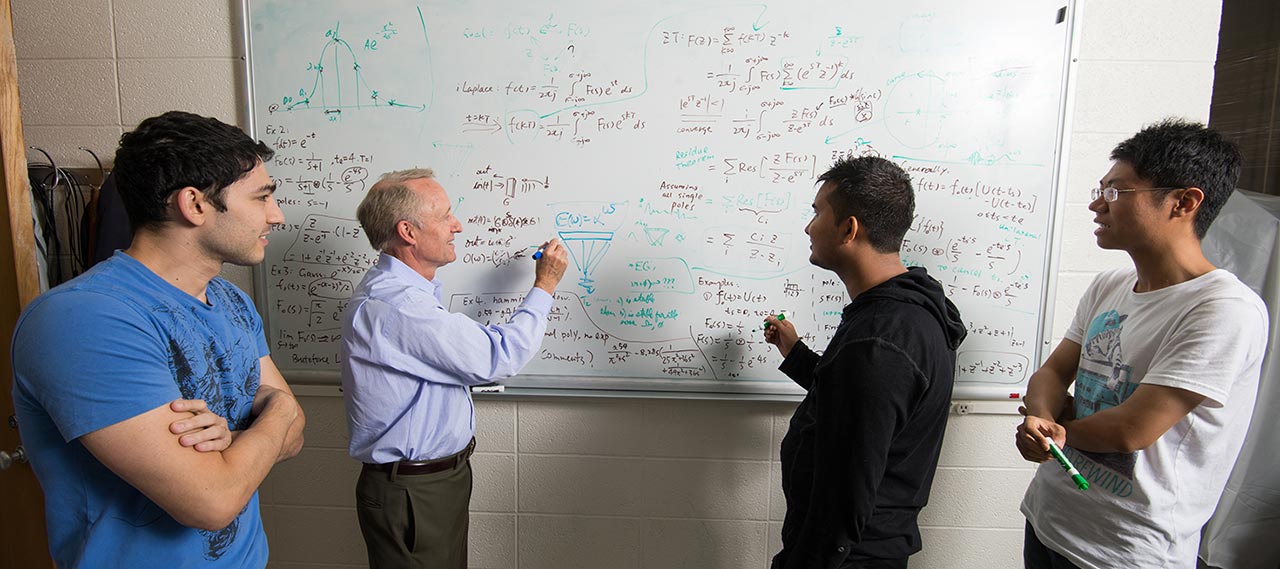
[673,147]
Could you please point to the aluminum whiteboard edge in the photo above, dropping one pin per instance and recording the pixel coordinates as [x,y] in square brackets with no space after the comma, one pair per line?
[641,387]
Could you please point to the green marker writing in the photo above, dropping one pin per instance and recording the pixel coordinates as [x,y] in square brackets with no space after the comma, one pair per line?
[1081,483]
[781,316]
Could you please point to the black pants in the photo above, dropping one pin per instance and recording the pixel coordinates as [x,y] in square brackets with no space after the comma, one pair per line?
[874,564]
[415,521]
[850,563]
[1036,556]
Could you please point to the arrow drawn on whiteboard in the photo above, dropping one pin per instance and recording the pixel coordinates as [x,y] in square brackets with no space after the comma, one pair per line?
[756,25]
[431,71]
[831,138]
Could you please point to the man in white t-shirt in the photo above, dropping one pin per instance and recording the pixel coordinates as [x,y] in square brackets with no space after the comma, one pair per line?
[1165,358]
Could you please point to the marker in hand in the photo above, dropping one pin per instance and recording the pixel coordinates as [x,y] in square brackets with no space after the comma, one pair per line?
[538,254]
[1081,483]
[781,316]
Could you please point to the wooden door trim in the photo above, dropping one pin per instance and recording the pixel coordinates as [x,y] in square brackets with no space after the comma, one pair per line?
[23,540]
[16,186]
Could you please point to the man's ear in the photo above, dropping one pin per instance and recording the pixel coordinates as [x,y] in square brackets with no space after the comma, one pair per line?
[1188,202]
[191,205]
[407,231]
[849,229]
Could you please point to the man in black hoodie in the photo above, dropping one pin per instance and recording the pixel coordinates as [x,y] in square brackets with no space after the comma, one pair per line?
[859,455]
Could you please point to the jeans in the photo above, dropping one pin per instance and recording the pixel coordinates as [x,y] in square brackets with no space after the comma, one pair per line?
[1036,556]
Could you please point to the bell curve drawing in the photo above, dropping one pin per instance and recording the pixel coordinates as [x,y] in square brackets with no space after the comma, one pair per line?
[673,147]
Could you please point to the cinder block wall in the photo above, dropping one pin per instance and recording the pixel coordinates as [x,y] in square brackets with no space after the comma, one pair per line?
[606,483]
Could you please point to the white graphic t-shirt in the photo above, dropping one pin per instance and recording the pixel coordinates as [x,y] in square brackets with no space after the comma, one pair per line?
[1145,509]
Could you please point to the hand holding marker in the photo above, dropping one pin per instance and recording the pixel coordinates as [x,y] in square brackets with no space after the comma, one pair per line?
[1081,483]
[781,316]
[537,254]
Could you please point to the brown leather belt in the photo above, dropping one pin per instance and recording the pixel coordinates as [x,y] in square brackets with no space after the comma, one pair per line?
[411,467]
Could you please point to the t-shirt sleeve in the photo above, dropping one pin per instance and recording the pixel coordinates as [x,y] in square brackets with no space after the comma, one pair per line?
[91,361]
[1210,348]
[1085,309]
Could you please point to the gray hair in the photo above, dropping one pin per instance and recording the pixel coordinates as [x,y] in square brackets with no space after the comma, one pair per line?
[388,203]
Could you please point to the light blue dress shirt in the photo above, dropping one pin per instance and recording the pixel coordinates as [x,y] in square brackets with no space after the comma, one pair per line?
[407,363]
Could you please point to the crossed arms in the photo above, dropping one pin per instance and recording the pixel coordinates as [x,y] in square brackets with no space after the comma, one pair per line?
[204,476]
[1132,425]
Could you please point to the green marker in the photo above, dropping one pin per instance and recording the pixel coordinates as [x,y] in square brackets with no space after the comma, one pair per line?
[781,316]
[1081,483]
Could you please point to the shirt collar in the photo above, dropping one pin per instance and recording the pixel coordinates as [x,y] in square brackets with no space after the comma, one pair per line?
[402,271]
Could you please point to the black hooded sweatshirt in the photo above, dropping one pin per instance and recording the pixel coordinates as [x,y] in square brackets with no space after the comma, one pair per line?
[859,456]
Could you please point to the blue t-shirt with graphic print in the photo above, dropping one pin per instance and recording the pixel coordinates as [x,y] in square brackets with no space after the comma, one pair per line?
[107,346]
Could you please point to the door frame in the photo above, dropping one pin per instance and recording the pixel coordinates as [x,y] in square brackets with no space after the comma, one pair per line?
[23,541]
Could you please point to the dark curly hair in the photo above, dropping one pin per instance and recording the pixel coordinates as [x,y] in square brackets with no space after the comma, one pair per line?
[178,150]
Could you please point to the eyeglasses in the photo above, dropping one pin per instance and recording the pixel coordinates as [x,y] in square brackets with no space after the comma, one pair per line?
[1112,194]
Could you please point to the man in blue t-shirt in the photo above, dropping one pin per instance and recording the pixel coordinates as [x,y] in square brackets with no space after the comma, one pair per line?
[146,398]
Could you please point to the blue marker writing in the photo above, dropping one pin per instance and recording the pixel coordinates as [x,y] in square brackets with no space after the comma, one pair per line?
[537,254]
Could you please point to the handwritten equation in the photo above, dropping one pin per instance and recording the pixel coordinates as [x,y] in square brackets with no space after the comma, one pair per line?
[674,154]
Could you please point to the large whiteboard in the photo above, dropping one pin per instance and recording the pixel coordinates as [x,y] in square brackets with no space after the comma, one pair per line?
[673,146]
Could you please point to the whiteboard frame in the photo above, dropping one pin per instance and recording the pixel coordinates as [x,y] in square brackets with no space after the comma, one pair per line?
[1062,150]
[581,386]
